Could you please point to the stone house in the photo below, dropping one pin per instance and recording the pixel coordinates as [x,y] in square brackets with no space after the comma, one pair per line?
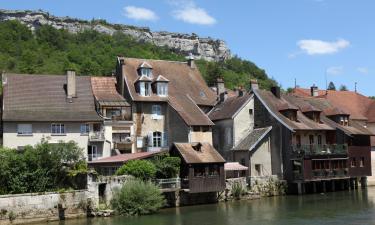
[86,110]
[169,101]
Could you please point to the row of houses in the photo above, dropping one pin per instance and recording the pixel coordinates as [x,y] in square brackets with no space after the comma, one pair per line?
[152,106]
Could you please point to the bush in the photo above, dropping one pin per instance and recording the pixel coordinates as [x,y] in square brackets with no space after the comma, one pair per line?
[237,190]
[137,197]
[167,166]
[142,169]
[44,167]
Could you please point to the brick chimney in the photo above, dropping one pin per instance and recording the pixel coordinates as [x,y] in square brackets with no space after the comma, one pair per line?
[314,90]
[254,84]
[71,89]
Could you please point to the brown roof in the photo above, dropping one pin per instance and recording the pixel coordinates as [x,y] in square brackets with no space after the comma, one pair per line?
[122,158]
[182,80]
[234,166]
[272,104]
[104,89]
[43,98]
[207,153]
[186,88]
[359,106]
[160,78]
[229,108]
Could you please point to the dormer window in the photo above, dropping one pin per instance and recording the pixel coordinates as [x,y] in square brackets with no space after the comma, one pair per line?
[145,69]
[290,114]
[144,88]
[344,120]
[162,89]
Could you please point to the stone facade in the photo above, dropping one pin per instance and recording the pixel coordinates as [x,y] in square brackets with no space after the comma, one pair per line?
[203,48]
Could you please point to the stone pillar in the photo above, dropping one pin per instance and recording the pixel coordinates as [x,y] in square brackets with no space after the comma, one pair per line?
[349,184]
[356,183]
[333,185]
[177,198]
[314,187]
[324,186]
[363,182]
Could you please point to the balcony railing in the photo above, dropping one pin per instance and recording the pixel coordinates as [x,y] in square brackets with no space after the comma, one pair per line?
[323,173]
[320,149]
[97,136]
[170,183]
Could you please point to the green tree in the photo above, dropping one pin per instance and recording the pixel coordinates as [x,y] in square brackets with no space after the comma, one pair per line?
[167,166]
[331,86]
[142,169]
[343,88]
[137,197]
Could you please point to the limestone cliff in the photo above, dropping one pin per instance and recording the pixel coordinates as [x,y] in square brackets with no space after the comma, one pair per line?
[203,48]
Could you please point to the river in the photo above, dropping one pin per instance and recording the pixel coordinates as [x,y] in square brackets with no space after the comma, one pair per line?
[349,207]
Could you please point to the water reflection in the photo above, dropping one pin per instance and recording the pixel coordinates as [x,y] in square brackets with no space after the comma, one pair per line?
[349,207]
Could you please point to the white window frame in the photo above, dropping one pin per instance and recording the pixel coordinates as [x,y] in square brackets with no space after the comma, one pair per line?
[157,137]
[94,153]
[146,72]
[24,129]
[144,88]
[162,89]
[85,129]
[156,110]
[59,129]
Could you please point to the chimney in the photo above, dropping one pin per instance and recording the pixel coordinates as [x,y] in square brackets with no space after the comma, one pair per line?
[220,88]
[276,91]
[190,61]
[314,91]
[254,84]
[71,90]
[240,91]
[223,96]
[120,75]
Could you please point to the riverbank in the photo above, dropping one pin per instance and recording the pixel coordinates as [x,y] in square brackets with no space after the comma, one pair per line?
[344,207]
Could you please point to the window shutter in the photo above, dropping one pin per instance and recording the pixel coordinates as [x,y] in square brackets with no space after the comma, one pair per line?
[165,139]
[149,140]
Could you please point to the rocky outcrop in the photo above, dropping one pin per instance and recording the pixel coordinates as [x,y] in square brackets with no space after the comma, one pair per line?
[203,48]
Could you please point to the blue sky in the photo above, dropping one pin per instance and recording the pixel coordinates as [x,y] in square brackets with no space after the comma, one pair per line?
[304,40]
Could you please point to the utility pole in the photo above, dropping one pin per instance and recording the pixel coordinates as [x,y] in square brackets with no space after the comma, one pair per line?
[355,87]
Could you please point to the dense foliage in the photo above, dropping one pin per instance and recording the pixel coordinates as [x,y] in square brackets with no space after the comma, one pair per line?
[235,72]
[52,51]
[141,169]
[44,167]
[167,166]
[137,197]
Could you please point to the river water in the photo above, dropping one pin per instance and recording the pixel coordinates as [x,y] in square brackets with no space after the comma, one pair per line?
[349,207]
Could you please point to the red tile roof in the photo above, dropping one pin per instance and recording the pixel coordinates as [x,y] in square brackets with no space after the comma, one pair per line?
[126,157]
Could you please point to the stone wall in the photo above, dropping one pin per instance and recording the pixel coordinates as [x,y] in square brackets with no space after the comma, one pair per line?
[203,48]
[35,207]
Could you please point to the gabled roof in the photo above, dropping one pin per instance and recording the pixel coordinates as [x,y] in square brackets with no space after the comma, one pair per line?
[143,78]
[160,78]
[230,107]
[207,153]
[145,65]
[104,89]
[43,98]
[234,166]
[272,104]
[182,80]
[252,138]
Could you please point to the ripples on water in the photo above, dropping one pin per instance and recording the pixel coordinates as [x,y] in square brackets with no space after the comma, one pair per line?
[355,207]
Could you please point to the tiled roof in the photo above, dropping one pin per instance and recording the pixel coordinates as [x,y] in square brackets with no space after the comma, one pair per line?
[252,138]
[359,106]
[43,98]
[122,158]
[207,153]
[186,88]
[160,78]
[272,104]
[228,108]
[234,166]
[104,89]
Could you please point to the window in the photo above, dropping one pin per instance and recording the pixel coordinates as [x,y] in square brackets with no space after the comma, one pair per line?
[258,169]
[319,139]
[145,88]
[156,110]
[146,72]
[156,139]
[199,171]
[58,128]
[362,162]
[205,128]
[162,89]
[228,135]
[85,128]
[213,170]
[196,128]
[344,120]
[24,129]
[92,153]
[251,111]
[353,163]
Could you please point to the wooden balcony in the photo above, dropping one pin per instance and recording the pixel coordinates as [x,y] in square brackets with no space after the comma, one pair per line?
[319,150]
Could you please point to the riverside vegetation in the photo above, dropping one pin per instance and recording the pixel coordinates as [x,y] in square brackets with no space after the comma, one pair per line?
[52,51]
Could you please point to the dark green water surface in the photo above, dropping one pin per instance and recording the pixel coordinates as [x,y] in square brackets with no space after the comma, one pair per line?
[349,207]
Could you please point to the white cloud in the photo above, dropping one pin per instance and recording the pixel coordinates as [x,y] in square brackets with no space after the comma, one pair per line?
[319,47]
[362,70]
[190,13]
[138,13]
[335,70]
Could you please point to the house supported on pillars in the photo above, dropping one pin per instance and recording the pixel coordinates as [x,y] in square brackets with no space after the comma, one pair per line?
[310,147]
